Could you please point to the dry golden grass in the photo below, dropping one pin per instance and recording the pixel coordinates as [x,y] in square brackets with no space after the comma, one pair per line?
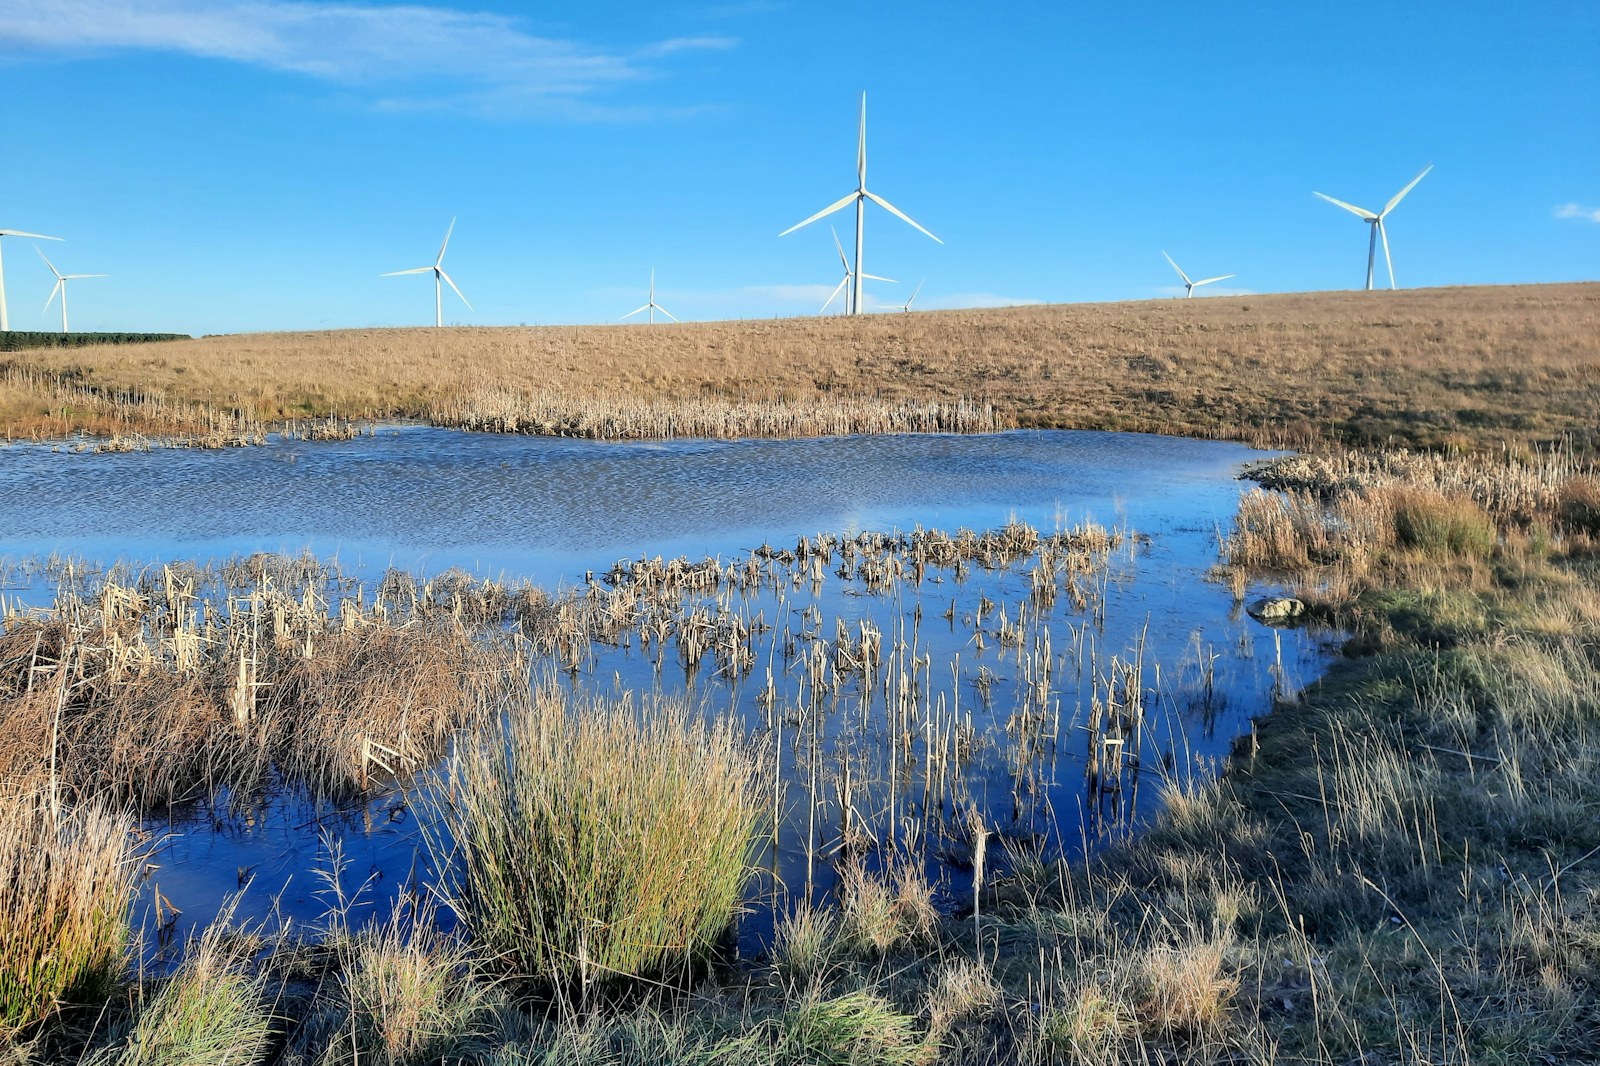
[1424,367]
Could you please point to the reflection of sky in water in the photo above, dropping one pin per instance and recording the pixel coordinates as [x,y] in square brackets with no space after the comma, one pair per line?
[427,499]
[548,509]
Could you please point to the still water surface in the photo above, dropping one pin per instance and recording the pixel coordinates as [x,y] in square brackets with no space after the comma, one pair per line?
[550,510]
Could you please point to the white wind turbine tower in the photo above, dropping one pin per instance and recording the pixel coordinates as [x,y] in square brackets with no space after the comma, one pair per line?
[651,306]
[61,286]
[1376,222]
[1189,286]
[437,270]
[4,324]
[859,198]
[848,274]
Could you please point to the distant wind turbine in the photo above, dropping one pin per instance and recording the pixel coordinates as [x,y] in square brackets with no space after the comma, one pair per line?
[652,306]
[848,274]
[907,307]
[4,324]
[61,286]
[1376,222]
[1189,286]
[859,198]
[437,269]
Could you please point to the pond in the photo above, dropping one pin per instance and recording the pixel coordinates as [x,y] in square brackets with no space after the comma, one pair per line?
[1009,690]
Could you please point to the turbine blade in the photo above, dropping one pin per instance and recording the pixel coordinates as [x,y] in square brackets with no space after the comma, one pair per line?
[452,285]
[901,215]
[414,270]
[1220,277]
[839,246]
[636,310]
[60,287]
[874,277]
[20,233]
[1179,269]
[834,295]
[1385,235]
[1352,208]
[1401,195]
[446,243]
[914,292]
[47,262]
[861,144]
[843,201]
[664,311]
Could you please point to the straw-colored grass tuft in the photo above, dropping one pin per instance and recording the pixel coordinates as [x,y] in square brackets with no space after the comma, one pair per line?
[590,840]
[65,884]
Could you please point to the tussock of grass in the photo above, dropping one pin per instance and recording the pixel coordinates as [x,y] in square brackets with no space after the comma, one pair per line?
[855,1027]
[591,840]
[405,995]
[878,912]
[211,1012]
[66,877]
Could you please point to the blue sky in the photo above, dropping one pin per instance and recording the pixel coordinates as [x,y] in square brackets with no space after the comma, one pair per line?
[239,165]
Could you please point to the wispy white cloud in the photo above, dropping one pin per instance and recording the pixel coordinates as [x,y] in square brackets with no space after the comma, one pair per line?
[411,54]
[1575,210]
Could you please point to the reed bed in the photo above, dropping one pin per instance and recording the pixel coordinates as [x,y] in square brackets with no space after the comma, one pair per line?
[1471,367]
[160,689]
[599,841]
[66,879]
[557,414]
[41,404]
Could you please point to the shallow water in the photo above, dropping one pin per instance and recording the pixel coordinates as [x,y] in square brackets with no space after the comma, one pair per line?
[550,510]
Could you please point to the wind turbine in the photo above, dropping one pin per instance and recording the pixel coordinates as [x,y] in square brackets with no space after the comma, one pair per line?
[907,307]
[848,274]
[652,306]
[61,286]
[438,273]
[859,198]
[1376,222]
[1189,286]
[4,324]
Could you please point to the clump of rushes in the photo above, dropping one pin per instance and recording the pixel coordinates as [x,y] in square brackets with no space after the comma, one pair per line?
[586,840]
[65,884]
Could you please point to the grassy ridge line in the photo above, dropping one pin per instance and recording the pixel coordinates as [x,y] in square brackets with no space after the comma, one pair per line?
[1431,368]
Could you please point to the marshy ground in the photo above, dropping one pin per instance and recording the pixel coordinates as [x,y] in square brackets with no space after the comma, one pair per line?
[1400,865]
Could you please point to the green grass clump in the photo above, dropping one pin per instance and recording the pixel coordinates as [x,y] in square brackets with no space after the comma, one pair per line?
[65,884]
[1442,525]
[590,841]
[856,1027]
[212,1012]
